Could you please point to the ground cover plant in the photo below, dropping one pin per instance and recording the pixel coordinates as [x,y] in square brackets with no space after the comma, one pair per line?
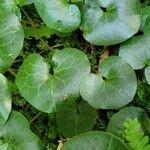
[74,74]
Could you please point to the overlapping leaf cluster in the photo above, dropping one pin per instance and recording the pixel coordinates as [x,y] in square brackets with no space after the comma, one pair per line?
[67,86]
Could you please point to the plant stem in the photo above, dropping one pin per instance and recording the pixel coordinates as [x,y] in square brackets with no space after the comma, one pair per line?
[35,117]
[14,74]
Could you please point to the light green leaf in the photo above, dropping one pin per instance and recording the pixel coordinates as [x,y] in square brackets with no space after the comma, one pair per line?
[116,122]
[6,4]
[76,119]
[16,134]
[134,135]
[95,141]
[4,147]
[49,92]
[113,87]
[136,51]
[10,6]
[5,100]
[59,15]
[11,39]
[110,22]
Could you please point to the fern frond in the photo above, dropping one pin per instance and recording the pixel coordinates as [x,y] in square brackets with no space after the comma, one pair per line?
[134,135]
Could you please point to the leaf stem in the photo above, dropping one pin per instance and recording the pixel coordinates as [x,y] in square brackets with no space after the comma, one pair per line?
[12,72]
[35,117]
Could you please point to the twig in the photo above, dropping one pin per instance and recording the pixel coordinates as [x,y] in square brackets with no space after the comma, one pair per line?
[105,54]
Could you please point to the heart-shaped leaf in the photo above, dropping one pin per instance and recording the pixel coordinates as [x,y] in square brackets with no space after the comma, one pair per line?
[76,119]
[95,141]
[113,87]
[59,14]
[5,100]
[11,39]
[49,92]
[16,135]
[136,52]
[110,22]
[116,122]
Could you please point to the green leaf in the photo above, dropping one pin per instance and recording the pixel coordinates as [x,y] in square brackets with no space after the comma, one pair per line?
[4,147]
[23,2]
[147,26]
[6,4]
[147,74]
[77,1]
[116,122]
[113,87]
[136,52]
[10,6]
[95,141]
[5,100]
[16,135]
[49,92]
[11,39]
[38,32]
[59,15]
[76,119]
[134,135]
[145,12]
[110,22]
[42,31]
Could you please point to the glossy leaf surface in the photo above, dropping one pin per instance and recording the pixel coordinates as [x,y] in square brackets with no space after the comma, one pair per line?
[113,87]
[136,52]
[59,14]
[16,135]
[5,100]
[95,141]
[49,92]
[110,22]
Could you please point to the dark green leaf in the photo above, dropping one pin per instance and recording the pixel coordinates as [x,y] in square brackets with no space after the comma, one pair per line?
[76,119]
[145,12]
[147,26]
[38,32]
